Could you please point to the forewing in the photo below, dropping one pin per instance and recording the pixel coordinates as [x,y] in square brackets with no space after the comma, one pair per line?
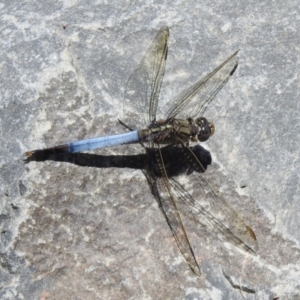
[143,86]
[210,209]
[193,101]
[161,190]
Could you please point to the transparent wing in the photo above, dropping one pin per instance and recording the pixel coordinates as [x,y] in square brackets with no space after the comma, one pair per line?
[193,101]
[161,190]
[143,86]
[210,209]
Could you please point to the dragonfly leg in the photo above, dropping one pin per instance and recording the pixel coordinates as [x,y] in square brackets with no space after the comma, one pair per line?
[124,125]
[130,129]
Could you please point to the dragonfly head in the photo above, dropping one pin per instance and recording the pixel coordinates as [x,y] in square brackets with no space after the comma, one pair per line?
[206,129]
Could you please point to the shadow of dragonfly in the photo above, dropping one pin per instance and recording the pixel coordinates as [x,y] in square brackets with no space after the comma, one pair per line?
[161,164]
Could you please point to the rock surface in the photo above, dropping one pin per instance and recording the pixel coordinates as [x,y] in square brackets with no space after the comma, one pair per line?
[71,232]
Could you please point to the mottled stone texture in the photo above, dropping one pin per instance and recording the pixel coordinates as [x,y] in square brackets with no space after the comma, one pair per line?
[72,232]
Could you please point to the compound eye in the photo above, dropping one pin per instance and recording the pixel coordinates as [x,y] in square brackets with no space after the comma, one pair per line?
[212,128]
[206,129]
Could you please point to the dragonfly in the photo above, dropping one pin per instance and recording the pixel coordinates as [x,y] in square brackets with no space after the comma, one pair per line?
[182,122]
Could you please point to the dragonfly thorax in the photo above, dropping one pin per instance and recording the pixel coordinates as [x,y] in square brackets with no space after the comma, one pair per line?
[177,131]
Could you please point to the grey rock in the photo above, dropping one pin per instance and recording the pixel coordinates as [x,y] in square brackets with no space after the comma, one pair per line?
[71,232]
